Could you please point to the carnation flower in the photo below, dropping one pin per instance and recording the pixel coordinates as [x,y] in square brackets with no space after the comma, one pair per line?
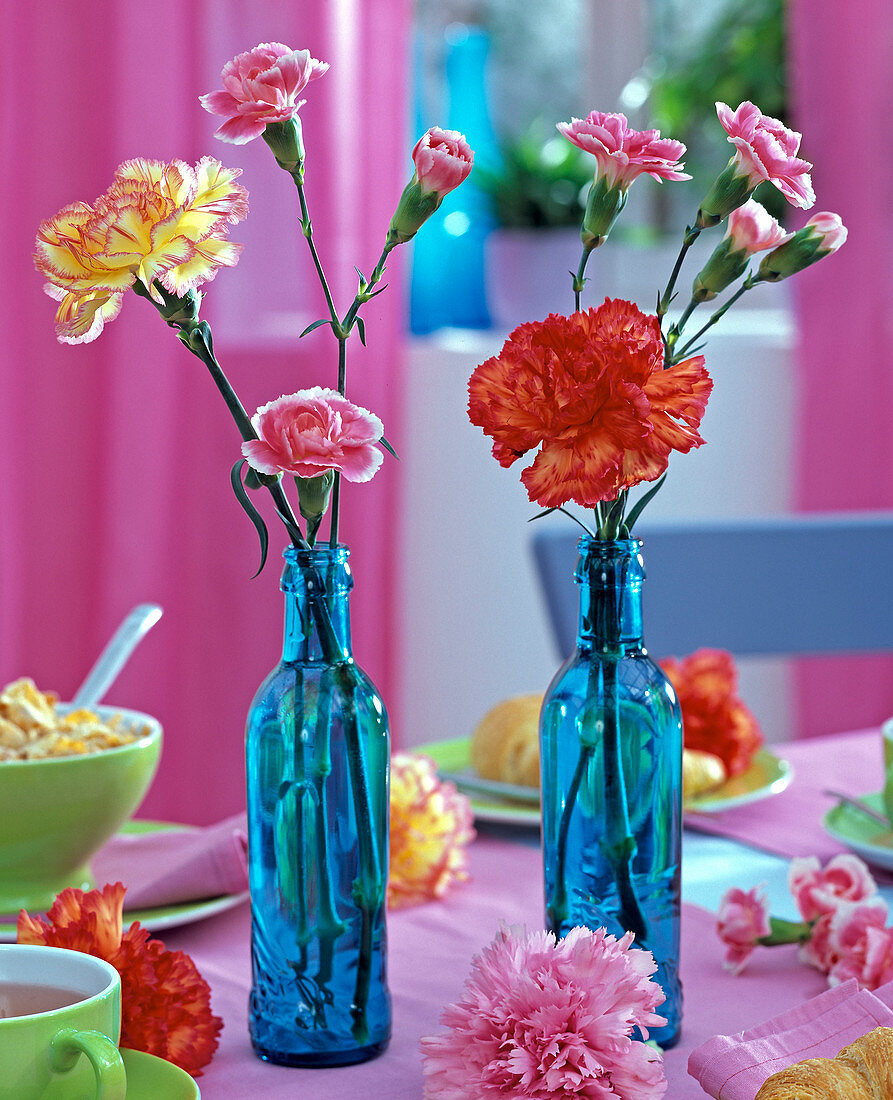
[261,86]
[624,154]
[823,234]
[592,391]
[165,1003]
[751,229]
[158,221]
[741,922]
[820,891]
[431,824]
[314,430]
[861,944]
[442,160]
[713,717]
[541,1018]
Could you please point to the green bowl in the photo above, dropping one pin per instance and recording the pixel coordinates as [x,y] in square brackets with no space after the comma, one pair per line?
[56,813]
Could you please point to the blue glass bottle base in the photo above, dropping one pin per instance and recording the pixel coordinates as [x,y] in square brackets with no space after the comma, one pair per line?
[325,1059]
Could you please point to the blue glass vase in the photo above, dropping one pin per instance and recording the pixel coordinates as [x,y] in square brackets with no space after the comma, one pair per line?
[611,766]
[317,758]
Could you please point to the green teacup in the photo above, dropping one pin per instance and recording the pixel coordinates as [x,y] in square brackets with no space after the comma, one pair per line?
[60,1020]
[887,734]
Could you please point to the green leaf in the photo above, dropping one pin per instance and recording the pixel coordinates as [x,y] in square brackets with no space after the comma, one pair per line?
[637,508]
[242,497]
[316,324]
[389,448]
[361,329]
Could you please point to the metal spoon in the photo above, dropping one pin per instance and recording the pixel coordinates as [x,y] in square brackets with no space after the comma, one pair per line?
[116,653]
[857,804]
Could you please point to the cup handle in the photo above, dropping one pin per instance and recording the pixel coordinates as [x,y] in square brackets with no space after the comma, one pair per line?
[111,1077]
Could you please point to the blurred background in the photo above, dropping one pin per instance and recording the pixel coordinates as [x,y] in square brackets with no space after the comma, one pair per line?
[115,455]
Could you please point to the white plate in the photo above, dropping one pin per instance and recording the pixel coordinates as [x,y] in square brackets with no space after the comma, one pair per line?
[508,804]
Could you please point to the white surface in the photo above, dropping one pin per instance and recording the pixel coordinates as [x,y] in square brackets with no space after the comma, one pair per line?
[474,628]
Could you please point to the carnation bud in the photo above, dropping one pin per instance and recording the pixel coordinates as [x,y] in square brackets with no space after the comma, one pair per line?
[413,210]
[313,499]
[603,206]
[823,234]
[724,267]
[285,137]
[729,191]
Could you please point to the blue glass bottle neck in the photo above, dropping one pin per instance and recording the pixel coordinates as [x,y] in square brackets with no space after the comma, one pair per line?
[610,575]
[322,568]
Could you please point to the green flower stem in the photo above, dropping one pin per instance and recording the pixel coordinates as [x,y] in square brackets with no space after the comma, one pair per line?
[785,932]
[748,284]
[691,235]
[307,230]
[579,280]
[329,927]
[557,910]
[368,888]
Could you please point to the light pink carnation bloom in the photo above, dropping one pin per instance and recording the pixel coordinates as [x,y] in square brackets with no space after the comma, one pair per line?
[862,944]
[818,951]
[766,150]
[543,1019]
[742,920]
[622,153]
[261,86]
[830,228]
[818,891]
[442,160]
[752,228]
[314,430]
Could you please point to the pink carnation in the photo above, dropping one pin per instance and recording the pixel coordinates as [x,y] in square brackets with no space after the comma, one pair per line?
[442,160]
[766,150]
[742,920]
[314,430]
[819,891]
[261,86]
[862,944]
[752,229]
[541,1018]
[830,228]
[622,153]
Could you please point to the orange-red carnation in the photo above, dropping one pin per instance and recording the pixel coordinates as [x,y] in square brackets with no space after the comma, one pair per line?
[589,390]
[165,1002]
[713,717]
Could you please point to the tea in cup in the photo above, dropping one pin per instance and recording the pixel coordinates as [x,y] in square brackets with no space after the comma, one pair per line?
[60,1021]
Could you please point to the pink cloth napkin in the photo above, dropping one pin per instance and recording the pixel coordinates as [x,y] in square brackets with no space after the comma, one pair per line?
[176,866]
[732,1067]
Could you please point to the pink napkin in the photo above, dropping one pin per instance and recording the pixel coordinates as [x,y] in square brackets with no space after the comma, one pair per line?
[732,1067]
[176,866]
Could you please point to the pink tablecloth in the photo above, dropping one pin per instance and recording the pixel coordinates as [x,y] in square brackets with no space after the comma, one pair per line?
[790,824]
[431,948]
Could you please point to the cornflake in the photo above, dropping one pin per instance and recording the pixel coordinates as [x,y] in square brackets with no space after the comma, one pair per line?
[32,729]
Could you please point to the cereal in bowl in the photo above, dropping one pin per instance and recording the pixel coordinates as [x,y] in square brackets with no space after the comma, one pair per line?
[31,728]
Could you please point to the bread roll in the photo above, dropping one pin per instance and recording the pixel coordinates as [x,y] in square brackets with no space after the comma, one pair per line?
[701,772]
[505,747]
[505,744]
[861,1071]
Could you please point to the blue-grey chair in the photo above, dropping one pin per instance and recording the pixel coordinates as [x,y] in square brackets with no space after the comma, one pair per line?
[803,584]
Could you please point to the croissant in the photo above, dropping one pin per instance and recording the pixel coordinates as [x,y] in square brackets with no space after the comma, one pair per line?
[861,1071]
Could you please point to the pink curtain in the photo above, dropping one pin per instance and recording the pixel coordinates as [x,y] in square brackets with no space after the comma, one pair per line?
[115,455]
[842,87]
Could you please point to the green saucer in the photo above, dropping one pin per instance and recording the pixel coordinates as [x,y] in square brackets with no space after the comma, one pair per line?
[151,1078]
[860,833]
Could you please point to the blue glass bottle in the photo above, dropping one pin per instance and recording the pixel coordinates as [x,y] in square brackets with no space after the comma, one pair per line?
[611,764]
[317,758]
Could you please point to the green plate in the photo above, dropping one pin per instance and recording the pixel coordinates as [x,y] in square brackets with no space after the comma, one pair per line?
[168,916]
[150,1078]
[767,775]
[860,834]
